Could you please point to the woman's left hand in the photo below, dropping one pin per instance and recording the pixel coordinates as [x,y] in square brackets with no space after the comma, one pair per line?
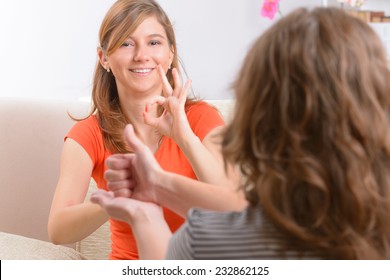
[173,122]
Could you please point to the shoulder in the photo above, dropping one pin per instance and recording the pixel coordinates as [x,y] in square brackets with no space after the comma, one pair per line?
[90,122]
[89,135]
[194,108]
[222,235]
[85,128]
[183,244]
[207,235]
[248,234]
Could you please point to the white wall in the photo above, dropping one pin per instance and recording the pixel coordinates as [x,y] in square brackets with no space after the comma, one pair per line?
[48,48]
[214,36]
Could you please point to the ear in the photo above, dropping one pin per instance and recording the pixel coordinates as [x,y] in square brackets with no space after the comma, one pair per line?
[103,58]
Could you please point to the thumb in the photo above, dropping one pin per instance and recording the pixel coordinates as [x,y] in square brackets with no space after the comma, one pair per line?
[101,197]
[131,139]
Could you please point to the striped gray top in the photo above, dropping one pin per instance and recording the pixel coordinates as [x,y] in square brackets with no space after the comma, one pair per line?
[231,235]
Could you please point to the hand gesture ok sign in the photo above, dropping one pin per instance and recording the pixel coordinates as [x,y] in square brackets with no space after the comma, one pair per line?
[173,122]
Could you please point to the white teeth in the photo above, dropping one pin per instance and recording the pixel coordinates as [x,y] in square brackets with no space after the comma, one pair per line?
[141,70]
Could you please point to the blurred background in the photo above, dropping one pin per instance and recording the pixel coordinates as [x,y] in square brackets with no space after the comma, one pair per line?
[48,48]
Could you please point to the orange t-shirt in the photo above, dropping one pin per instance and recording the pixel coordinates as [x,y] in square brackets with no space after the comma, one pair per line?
[202,119]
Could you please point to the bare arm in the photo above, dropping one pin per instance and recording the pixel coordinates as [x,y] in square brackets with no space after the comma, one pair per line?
[71,219]
[206,159]
[180,194]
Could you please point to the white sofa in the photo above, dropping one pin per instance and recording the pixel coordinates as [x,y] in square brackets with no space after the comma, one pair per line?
[32,132]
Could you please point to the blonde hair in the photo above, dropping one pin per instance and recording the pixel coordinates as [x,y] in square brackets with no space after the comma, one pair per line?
[311,133]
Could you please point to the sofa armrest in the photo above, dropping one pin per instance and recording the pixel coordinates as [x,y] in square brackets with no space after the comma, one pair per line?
[17,247]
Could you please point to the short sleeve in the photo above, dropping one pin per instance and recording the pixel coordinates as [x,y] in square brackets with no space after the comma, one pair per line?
[203,118]
[88,134]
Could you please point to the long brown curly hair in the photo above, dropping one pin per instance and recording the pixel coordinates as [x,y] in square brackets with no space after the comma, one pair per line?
[120,22]
[311,133]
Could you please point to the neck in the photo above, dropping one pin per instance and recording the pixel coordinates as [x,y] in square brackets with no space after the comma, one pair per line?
[133,109]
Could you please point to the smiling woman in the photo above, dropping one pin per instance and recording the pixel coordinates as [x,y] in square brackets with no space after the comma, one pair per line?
[136,81]
[134,63]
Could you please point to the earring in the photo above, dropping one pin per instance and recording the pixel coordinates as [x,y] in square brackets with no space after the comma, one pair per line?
[170,67]
[108,69]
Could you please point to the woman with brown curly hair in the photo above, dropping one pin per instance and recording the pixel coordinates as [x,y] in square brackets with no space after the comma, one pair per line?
[311,135]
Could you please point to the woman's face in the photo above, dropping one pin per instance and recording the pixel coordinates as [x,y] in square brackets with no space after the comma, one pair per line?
[134,64]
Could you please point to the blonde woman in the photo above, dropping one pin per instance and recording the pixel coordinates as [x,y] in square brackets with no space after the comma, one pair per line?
[137,81]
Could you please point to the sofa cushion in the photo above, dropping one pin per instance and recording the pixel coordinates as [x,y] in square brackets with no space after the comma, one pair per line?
[96,246]
[17,247]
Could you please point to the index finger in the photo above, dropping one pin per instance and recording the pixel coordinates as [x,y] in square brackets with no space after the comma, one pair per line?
[177,83]
[167,89]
